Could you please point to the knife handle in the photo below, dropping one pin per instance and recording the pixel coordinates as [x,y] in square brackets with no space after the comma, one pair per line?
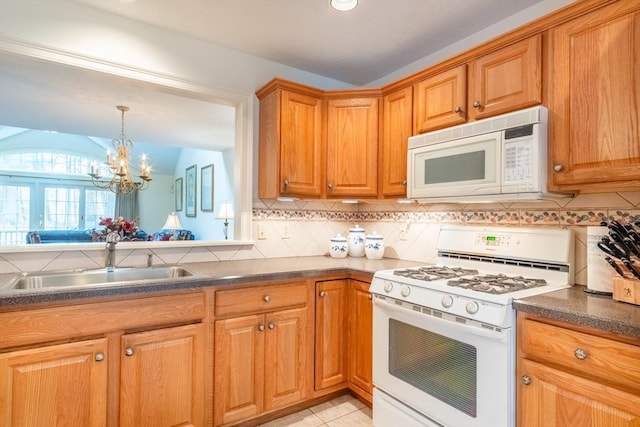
[631,267]
[615,266]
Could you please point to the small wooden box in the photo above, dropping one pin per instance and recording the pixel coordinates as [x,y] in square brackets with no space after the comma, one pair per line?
[626,290]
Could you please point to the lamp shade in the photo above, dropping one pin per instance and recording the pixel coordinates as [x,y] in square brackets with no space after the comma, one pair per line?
[173,223]
[226,211]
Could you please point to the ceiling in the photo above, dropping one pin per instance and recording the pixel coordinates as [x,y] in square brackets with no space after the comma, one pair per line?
[375,39]
[356,47]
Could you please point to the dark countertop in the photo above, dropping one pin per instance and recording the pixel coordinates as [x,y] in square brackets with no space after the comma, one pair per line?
[573,305]
[219,274]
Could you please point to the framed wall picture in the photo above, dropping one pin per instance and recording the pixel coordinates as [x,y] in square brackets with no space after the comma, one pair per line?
[190,179]
[178,194]
[206,188]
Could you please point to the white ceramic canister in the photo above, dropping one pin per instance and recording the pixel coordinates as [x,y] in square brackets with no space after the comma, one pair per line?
[374,246]
[338,247]
[356,241]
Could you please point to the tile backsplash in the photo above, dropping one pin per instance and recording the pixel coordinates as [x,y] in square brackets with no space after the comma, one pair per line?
[303,228]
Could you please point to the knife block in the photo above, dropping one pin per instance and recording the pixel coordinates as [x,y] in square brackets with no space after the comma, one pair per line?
[626,290]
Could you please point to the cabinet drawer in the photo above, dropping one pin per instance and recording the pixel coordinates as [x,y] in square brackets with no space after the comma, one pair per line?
[260,299]
[612,362]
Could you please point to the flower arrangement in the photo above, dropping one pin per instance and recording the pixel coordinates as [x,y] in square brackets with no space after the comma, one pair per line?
[125,228]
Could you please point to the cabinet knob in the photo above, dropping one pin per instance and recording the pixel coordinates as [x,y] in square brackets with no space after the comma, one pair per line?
[526,379]
[267,298]
[580,354]
[99,357]
[330,185]
[558,167]
[477,104]
[457,110]
[128,351]
[272,325]
[404,182]
[286,182]
[261,327]
[370,296]
[322,294]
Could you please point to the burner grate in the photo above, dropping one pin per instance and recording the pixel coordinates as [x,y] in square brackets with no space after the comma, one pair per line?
[496,283]
[434,272]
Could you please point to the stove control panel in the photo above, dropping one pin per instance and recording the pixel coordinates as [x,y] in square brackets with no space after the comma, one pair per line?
[493,240]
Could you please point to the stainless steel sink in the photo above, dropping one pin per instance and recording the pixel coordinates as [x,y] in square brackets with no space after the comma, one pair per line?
[97,277]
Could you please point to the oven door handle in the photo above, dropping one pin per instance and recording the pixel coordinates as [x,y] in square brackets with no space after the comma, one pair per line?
[473,330]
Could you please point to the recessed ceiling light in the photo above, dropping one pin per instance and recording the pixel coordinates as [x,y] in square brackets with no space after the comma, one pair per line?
[343,5]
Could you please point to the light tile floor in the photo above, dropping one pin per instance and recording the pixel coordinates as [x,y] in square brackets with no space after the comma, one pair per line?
[343,411]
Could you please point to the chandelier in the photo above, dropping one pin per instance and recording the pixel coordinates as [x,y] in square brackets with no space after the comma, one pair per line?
[118,164]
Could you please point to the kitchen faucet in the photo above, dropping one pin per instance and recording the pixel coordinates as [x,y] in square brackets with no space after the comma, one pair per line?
[110,250]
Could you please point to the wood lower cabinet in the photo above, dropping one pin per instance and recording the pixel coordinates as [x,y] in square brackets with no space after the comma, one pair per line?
[570,375]
[594,100]
[360,340]
[162,377]
[63,384]
[331,333]
[262,360]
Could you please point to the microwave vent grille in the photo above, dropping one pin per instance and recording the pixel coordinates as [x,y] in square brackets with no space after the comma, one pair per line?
[494,124]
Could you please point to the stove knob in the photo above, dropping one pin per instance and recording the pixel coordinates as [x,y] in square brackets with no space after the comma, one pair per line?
[447,301]
[388,287]
[472,307]
[405,291]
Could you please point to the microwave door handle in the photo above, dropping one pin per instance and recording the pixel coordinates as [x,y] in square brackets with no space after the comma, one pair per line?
[485,333]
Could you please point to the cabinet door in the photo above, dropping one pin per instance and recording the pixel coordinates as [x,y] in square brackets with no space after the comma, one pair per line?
[55,385]
[360,346]
[352,147]
[506,80]
[594,100]
[331,333]
[301,145]
[286,366]
[396,129]
[440,101]
[555,398]
[162,377]
[239,365]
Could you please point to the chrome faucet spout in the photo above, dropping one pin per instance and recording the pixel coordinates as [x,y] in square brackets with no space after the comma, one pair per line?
[110,250]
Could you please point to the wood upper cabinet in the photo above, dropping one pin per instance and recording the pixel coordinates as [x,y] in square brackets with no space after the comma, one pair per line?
[441,100]
[506,80]
[578,376]
[352,147]
[162,377]
[594,100]
[331,333]
[57,384]
[291,149]
[262,360]
[397,117]
[360,342]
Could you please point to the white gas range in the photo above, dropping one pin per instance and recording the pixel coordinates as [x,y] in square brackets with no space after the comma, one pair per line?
[444,336]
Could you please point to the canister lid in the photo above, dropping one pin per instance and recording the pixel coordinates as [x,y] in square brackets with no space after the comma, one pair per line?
[339,238]
[374,236]
[356,229]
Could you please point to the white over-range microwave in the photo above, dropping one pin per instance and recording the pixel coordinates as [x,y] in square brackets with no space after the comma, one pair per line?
[497,159]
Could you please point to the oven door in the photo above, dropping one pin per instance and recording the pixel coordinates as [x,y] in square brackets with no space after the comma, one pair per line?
[455,374]
[463,167]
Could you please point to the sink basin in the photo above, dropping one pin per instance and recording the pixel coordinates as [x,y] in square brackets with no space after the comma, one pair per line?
[86,278]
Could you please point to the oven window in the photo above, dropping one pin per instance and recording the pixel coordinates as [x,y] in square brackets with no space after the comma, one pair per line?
[439,366]
[468,166]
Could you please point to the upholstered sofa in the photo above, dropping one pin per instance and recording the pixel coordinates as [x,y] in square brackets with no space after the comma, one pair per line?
[172,235]
[70,236]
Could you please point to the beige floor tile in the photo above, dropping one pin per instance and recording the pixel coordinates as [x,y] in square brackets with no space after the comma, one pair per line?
[360,418]
[304,418]
[337,407]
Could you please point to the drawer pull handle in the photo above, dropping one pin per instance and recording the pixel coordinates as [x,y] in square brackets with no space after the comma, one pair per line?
[261,327]
[580,354]
[128,351]
[526,379]
[267,298]
[99,357]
